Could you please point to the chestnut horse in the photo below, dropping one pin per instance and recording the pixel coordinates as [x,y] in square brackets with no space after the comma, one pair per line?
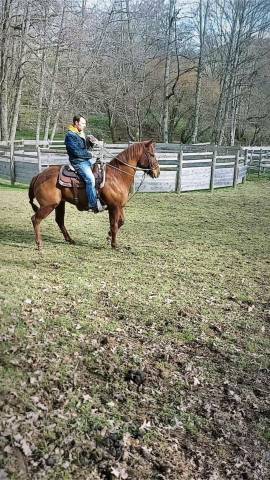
[115,192]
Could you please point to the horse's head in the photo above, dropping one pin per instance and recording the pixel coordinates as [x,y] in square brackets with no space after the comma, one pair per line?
[148,160]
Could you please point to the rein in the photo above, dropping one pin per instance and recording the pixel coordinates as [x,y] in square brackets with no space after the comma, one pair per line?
[119,169]
[136,191]
[131,166]
[132,175]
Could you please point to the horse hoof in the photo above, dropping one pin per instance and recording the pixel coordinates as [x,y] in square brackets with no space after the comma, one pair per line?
[72,242]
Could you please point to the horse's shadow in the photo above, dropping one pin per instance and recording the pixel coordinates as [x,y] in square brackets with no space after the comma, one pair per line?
[11,235]
[24,237]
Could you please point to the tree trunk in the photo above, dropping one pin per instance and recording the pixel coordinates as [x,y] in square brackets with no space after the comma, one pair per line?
[83,10]
[166,95]
[111,125]
[20,79]
[237,36]
[54,78]
[51,99]
[4,69]
[42,76]
[53,132]
[4,110]
[220,116]
[203,22]
[234,111]
[229,94]
[257,130]
[165,116]
[40,97]
[139,123]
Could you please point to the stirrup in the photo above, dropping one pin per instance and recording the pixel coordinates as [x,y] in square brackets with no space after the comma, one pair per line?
[99,207]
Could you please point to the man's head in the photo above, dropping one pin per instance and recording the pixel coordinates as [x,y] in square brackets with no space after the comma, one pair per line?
[79,122]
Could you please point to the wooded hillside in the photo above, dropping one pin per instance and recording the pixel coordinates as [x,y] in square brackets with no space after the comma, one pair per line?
[137,68]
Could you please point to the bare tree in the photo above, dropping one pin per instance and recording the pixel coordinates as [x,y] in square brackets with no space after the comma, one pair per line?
[203,17]
[146,74]
[235,25]
[43,27]
[54,73]
[6,32]
[20,74]
[168,54]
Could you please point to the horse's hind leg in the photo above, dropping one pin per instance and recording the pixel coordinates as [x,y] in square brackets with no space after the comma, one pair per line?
[59,218]
[42,213]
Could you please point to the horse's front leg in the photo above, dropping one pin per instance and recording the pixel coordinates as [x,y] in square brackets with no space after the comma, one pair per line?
[121,221]
[114,215]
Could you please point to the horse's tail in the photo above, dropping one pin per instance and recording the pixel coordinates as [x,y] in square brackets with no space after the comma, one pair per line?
[31,194]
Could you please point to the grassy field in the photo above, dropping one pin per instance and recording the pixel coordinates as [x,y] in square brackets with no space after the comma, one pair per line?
[149,362]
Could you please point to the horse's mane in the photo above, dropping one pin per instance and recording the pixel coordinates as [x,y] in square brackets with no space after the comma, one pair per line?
[132,151]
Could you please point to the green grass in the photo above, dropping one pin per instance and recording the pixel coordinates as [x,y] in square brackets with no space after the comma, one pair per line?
[185,299]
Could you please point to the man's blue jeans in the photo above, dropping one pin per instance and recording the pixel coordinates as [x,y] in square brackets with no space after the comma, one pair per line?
[83,168]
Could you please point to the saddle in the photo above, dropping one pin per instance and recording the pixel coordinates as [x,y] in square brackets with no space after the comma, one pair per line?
[70,179]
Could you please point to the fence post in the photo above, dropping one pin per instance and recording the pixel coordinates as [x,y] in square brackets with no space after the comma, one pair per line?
[12,164]
[132,186]
[213,167]
[260,162]
[245,165]
[179,171]
[39,158]
[102,151]
[250,159]
[235,172]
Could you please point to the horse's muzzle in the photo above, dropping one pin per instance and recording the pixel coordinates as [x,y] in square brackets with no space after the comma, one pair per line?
[155,172]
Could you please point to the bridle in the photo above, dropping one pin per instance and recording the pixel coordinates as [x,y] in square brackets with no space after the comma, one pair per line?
[152,162]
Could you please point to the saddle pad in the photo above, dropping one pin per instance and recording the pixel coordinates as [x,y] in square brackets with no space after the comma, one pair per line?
[69,178]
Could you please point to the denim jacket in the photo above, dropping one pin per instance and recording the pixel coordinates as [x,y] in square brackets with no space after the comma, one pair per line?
[76,147]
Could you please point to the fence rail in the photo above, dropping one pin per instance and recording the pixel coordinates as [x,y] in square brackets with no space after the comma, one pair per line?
[183,167]
[258,159]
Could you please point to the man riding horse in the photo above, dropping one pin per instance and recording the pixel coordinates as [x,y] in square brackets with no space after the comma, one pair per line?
[81,159]
[120,172]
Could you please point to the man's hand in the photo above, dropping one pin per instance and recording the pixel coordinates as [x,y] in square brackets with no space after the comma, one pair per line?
[92,139]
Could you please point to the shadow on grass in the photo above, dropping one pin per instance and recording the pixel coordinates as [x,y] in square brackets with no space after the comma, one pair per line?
[23,238]
[14,235]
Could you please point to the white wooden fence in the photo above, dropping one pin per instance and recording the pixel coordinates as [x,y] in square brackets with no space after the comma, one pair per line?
[183,167]
[258,159]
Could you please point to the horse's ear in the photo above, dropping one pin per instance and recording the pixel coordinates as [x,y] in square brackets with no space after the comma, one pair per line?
[148,142]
